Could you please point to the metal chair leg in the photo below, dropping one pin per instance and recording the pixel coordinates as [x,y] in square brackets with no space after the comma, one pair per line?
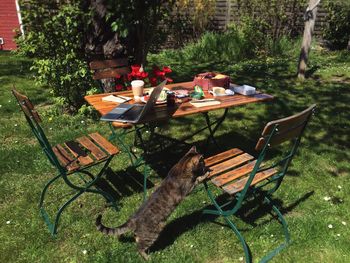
[274,252]
[53,227]
[247,253]
[43,193]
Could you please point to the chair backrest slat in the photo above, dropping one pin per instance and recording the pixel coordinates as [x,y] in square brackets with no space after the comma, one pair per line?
[27,106]
[33,120]
[287,128]
[109,68]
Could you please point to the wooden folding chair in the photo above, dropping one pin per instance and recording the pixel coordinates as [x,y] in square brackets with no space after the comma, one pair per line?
[240,175]
[72,157]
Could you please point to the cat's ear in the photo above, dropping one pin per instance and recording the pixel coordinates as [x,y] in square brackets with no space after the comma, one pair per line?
[193,150]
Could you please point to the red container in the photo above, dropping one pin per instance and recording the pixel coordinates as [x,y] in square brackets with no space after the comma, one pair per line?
[207,80]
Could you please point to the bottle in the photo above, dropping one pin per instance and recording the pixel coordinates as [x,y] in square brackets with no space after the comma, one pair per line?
[170,99]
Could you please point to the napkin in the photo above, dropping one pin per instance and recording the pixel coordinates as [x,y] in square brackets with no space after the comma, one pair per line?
[117,99]
[206,103]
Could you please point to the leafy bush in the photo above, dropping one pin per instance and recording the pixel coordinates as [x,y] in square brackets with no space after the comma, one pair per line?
[235,44]
[337,30]
[276,18]
[55,39]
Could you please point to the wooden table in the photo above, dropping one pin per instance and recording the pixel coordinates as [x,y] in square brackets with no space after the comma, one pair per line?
[162,112]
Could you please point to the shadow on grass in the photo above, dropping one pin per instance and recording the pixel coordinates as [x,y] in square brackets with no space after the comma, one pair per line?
[250,212]
[123,183]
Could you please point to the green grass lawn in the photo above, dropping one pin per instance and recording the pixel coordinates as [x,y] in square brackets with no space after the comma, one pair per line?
[320,170]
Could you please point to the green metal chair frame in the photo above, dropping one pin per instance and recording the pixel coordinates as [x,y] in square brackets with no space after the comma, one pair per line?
[274,133]
[33,120]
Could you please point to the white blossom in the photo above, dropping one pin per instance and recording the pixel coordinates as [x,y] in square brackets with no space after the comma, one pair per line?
[8,222]
[84,251]
[344,223]
[330,226]
[326,198]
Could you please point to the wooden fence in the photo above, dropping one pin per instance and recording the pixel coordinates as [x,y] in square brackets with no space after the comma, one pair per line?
[227,12]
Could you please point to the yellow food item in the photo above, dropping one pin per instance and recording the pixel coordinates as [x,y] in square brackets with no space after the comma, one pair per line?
[220,76]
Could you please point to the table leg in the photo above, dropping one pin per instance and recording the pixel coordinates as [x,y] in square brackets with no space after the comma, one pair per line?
[213,130]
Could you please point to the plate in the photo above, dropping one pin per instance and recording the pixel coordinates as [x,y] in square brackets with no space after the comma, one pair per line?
[163,94]
[144,99]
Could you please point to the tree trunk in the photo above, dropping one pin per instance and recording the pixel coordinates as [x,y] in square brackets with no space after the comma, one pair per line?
[310,17]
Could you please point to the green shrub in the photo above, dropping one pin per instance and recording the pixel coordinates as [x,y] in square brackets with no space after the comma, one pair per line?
[55,39]
[235,44]
[337,30]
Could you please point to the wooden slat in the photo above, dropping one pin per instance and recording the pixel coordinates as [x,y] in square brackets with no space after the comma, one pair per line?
[288,128]
[239,185]
[109,63]
[229,164]
[288,122]
[111,73]
[222,156]
[26,105]
[64,158]
[95,150]
[233,175]
[279,138]
[103,143]
[83,157]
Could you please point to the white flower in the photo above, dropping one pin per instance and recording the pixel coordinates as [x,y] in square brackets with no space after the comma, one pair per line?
[339,187]
[241,259]
[191,246]
[84,251]
[0,106]
[50,128]
[330,226]
[344,223]
[338,235]
[16,124]
[8,222]
[82,121]
[326,198]
[271,236]
[9,101]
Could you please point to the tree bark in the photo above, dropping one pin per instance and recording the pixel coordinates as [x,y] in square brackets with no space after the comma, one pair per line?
[101,41]
[310,18]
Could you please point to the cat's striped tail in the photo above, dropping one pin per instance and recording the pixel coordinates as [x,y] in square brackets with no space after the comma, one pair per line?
[118,231]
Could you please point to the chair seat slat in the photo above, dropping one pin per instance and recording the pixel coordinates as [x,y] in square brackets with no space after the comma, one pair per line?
[212,160]
[233,174]
[69,163]
[95,150]
[83,157]
[104,144]
[239,185]
[230,164]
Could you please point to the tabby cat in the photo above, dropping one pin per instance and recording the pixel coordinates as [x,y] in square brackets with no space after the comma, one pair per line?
[150,218]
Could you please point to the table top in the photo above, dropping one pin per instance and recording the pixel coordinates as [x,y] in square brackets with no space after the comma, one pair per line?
[162,112]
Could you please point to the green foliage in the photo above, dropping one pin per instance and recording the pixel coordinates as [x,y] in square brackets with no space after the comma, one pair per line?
[233,45]
[55,38]
[337,29]
[270,19]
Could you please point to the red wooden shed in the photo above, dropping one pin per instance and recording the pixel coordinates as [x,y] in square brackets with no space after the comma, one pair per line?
[10,20]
